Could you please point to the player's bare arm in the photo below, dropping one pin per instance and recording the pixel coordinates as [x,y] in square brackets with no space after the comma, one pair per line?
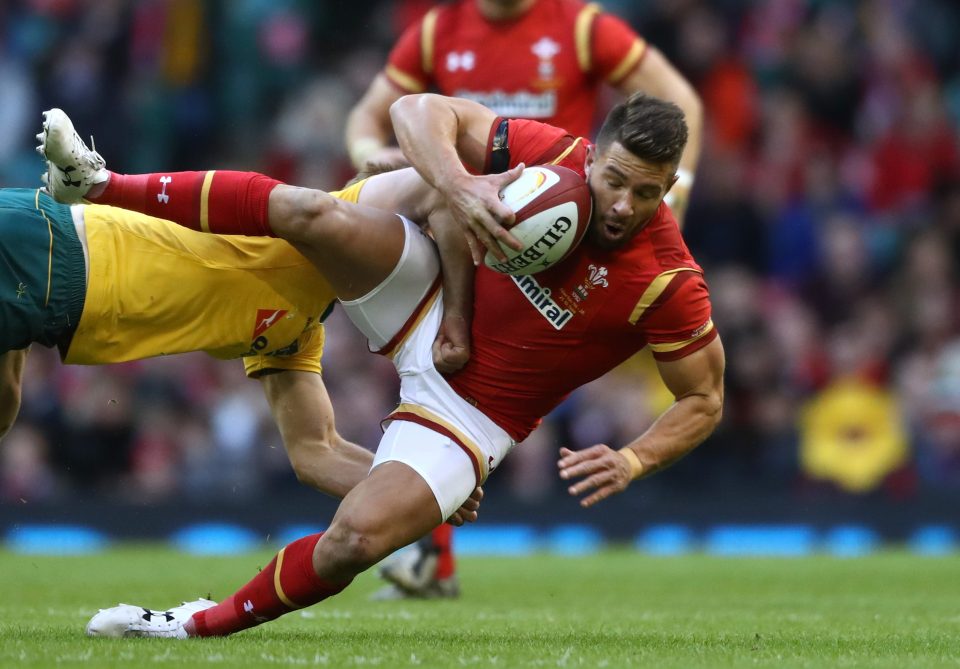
[657,76]
[451,349]
[402,191]
[368,131]
[11,381]
[321,458]
[696,382]
[440,135]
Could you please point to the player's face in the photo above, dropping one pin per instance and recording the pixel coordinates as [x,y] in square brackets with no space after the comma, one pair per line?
[626,193]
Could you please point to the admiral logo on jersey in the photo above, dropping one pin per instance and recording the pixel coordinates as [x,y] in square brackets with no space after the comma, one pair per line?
[541,298]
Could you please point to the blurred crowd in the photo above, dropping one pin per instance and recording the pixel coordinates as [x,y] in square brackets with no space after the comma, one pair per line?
[826,213]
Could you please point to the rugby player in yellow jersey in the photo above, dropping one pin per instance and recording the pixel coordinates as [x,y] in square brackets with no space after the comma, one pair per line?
[107,285]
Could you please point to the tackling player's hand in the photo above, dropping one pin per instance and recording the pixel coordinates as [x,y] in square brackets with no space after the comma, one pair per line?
[603,472]
[451,348]
[475,203]
[467,513]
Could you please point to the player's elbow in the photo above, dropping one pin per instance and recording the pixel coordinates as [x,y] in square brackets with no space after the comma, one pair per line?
[711,409]
[403,106]
[310,459]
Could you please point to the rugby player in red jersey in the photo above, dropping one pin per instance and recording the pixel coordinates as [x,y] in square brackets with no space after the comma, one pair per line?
[538,59]
[630,284]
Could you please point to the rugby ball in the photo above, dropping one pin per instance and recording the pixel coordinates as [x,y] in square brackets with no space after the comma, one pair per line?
[552,205]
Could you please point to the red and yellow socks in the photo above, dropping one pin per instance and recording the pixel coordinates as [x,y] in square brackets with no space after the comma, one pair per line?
[217,201]
[288,583]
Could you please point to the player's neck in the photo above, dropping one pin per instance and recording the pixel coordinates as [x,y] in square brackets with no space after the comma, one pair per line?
[503,10]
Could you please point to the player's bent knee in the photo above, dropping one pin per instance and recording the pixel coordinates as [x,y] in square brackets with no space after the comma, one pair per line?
[306,215]
[357,544]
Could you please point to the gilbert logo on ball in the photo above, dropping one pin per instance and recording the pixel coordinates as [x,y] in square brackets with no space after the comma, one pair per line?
[552,206]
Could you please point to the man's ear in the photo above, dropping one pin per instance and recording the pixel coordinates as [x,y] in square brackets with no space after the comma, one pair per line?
[673,180]
[589,160]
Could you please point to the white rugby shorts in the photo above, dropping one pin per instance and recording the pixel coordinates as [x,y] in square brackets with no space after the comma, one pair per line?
[446,440]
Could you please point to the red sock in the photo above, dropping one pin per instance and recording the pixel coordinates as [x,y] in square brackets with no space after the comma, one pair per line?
[442,538]
[268,596]
[216,201]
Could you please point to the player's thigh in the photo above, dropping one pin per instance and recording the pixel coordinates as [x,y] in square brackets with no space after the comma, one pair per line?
[355,247]
[438,460]
[390,306]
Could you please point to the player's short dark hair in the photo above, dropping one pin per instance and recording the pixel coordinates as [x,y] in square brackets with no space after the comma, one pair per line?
[650,128]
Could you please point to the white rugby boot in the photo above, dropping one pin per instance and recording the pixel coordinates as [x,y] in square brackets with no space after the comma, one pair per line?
[125,620]
[72,168]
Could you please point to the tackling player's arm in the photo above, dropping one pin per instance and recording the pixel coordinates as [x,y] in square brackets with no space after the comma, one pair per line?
[439,135]
[320,457]
[696,382]
[368,132]
[657,76]
[451,348]
[11,382]
[302,411]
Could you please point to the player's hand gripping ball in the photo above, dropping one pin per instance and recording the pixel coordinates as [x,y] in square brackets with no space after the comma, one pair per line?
[552,206]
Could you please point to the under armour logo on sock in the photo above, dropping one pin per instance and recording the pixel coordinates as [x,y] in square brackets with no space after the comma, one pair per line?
[248,606]
[162,196]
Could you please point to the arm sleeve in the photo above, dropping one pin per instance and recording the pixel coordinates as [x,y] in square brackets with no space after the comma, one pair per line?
[681,323]
[615,49]
[306,357]
[405,66]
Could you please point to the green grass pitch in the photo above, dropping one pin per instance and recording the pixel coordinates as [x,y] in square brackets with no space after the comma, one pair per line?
[615,609]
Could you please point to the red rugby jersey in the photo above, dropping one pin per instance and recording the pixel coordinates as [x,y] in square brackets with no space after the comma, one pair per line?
[547,64]
[537,338]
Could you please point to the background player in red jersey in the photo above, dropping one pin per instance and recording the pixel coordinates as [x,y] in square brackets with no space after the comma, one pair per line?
[539,59]
[630,284]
